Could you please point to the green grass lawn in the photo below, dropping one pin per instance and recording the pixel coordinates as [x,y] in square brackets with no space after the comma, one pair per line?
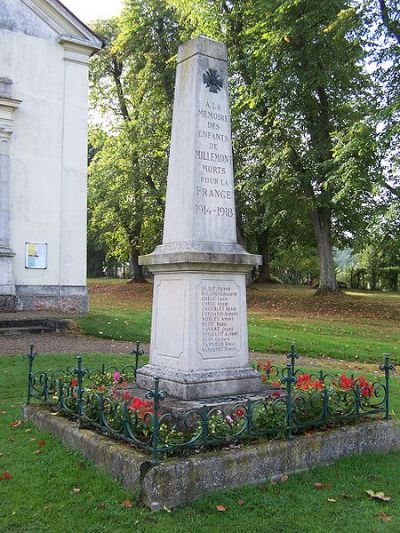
[40,497]
[355,326]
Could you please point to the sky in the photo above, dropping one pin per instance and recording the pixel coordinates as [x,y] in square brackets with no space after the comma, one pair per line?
[89,10]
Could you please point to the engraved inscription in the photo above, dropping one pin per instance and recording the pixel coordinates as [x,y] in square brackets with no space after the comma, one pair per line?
[219,315]
[214,187]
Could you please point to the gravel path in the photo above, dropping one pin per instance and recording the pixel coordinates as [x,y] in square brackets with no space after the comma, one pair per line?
[66,342]
[73,342]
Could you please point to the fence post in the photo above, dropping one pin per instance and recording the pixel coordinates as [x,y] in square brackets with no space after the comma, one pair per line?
[289,379]
[157,395]
[249,416]
[79,373]
[60,390]
[358,397]
[293,355]
[387,368]
[204,423]
[325,405]
[45,387]
[125,420]
[137,353]
[31,356]
[100,399]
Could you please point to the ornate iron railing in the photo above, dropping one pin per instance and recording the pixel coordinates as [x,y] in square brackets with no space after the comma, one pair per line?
[295,402]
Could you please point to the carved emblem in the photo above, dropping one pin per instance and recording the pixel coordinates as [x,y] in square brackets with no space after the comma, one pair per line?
[212,80]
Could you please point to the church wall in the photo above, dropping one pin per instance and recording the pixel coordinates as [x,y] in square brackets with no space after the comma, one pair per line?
[48,160]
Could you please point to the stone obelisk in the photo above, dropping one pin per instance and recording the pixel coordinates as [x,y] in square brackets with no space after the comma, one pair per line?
[199,324]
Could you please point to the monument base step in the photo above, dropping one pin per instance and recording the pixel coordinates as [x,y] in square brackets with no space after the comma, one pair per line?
[187,412]
[200,384]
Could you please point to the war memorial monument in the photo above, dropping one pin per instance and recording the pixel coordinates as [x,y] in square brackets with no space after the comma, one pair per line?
[199,345]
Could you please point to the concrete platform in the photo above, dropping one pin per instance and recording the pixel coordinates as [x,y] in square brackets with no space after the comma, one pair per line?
[181,480]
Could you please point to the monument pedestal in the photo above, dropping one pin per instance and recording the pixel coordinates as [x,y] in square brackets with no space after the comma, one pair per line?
[199,327]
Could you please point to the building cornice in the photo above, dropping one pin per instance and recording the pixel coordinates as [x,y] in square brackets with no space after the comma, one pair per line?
[65,23]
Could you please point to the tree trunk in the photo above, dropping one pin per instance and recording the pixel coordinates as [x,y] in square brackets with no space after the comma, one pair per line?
[136,270]
[263,250]
[322,228]
[373,280]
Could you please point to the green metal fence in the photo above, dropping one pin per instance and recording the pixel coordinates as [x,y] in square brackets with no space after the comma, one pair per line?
[295,401]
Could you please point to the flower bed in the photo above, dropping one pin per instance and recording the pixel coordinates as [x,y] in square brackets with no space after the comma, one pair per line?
[107,400]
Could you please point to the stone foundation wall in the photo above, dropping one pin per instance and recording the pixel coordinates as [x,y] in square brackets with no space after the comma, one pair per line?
[8,303]
[180,480]
[64,299]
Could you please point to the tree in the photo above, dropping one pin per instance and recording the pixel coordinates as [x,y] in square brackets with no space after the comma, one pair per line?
[382,17]
[297,65]
[132,87]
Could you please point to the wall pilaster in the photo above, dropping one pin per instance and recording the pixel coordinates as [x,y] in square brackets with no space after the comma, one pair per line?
[7,107]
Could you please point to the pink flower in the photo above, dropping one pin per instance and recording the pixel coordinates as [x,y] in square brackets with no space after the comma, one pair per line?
[117,376]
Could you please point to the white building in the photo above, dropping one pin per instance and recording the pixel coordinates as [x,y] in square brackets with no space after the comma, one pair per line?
[44,54]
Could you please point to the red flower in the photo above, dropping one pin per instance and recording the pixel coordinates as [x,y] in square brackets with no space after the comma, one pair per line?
[5,476]
[366,389]
[267,366]
[240,412]
[276,395]
[74,382]
[101,388]
[263,378]
[317,384]
[276,384]
[142,407]
[126,395]
[303,382]
[345,382]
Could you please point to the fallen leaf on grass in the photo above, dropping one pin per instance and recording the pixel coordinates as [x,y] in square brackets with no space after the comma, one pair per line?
[240,502]
[16,423]
[284,478]
[101,506]
[331,500]
[220,508]
[166,509]
[41,442]
[2,412]
[320,486]
[384,517]
[37,452]
[76,490]
[378,496]
[28,430]
[5,476]
[127,504]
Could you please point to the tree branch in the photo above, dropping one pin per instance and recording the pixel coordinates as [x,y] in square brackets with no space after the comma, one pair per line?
[116,73]
[395,191]
[392,27]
